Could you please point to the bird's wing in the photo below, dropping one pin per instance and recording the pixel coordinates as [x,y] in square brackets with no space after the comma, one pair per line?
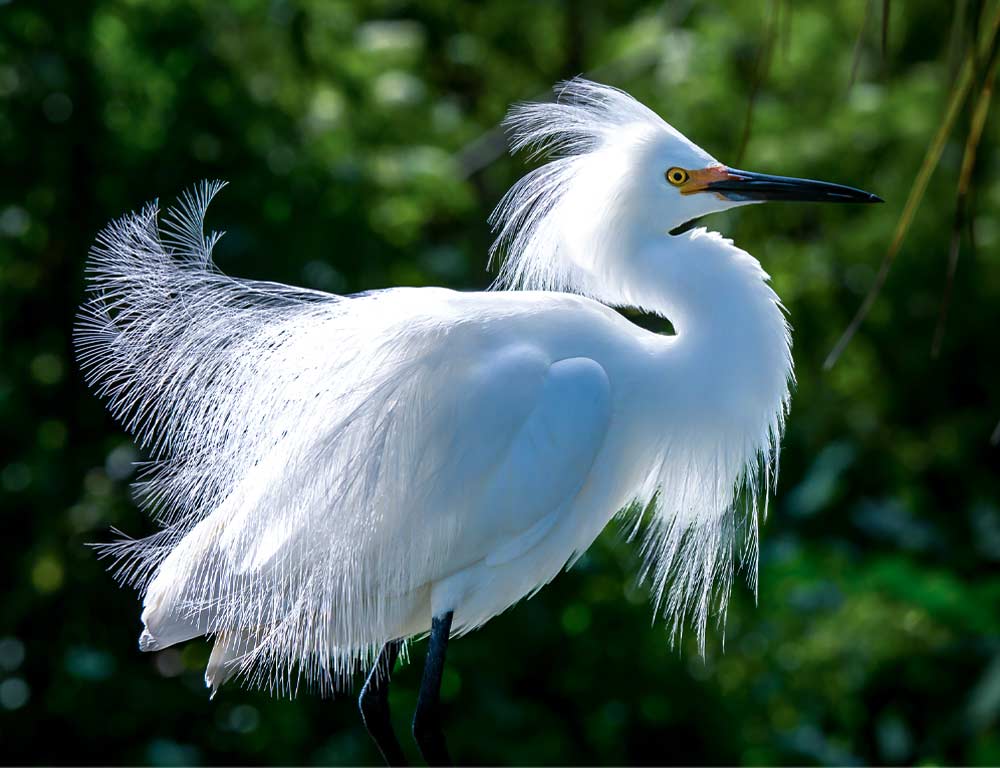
[503,457]
[508,450]
[539,427]
[301,444]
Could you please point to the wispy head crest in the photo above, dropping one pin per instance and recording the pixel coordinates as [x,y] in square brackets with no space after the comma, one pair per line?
[559,227]
[583,117]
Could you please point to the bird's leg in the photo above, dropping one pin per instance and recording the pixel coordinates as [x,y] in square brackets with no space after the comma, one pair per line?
[427,729]
[374,705]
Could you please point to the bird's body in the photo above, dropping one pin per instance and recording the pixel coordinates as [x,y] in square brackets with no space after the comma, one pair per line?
[509,427]
[333,473]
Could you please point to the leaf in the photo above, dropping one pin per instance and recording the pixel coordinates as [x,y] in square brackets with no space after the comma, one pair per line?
[930,163]
[979,116]
[885,29]
[760,69]
[858,44]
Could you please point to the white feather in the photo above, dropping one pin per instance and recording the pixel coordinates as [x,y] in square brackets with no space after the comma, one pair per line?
[583,222]
[570,224]
[331,471]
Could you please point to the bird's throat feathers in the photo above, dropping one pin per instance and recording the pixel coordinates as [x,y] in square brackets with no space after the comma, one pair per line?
[726,399]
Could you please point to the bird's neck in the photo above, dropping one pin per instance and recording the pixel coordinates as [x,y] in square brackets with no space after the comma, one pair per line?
[709,409]
[703,283]
[730,360]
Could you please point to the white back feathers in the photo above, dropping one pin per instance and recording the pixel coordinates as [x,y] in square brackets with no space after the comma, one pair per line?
[282,428]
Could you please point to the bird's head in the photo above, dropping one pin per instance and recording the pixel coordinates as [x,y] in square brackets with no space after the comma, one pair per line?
[618,173]
[691,183]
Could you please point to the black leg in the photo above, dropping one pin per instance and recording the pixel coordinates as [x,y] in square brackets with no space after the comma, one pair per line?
[374,705]
[427,719]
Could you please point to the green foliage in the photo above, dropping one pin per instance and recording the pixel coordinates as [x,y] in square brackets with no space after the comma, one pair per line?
[360,139]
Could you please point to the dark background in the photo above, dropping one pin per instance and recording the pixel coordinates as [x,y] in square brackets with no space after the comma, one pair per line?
[360,139]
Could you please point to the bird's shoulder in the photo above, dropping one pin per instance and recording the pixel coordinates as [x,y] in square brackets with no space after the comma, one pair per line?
[465,343]
[520,314]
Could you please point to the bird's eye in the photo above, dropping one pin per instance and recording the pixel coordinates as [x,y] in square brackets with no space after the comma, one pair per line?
[677,176]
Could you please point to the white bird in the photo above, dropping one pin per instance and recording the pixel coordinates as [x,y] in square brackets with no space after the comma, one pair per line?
[334,475]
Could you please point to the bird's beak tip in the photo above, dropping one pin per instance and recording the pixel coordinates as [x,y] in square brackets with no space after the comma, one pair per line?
[747,186]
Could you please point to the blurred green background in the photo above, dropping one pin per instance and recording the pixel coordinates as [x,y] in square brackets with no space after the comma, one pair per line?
[361,142]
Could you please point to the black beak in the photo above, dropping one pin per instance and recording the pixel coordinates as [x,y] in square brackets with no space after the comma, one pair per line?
[746,186]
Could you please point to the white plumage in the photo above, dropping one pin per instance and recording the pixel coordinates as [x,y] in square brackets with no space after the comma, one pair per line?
[330,472]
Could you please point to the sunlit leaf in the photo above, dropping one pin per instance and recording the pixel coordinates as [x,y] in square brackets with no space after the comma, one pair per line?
[927,168]
[859,43]
[762,65]
[978,123]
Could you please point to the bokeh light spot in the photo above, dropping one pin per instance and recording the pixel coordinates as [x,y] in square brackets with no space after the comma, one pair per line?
[11,653]
[58,107]
[47,574]
[14,693]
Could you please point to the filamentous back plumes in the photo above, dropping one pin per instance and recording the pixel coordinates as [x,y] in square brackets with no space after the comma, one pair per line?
[329,473]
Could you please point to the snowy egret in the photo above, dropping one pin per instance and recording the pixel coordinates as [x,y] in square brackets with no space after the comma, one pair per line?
[335,475]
